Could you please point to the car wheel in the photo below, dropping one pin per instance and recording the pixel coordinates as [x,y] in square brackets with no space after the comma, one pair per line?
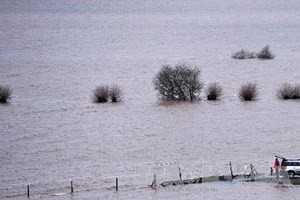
[291,174]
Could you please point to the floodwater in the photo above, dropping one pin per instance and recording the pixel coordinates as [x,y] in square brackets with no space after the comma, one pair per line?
[54,53]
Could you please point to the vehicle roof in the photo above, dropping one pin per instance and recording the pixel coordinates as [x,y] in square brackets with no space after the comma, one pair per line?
[292,159]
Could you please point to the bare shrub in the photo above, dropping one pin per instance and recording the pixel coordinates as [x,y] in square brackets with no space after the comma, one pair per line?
[265,53]
[248,92]
[178,83]
[213,91]
[5,94]
[115,93]
[244,54]
[101,94]
[288,91]
[285,91]
[296,92]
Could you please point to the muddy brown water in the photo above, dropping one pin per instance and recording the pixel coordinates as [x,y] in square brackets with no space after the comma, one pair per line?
[54,53]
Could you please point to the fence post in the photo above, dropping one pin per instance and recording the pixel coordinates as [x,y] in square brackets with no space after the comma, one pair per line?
[72,190]
[231,173]
[153,185]
[28,191]
[117,184]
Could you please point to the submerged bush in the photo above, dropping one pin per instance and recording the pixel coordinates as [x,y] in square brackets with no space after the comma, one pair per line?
[265,53]
[180,82]
[101,94]
[248,92]
[296,92]
[5,94]
[244,54]
[115,93]
[213,91]
[288,91]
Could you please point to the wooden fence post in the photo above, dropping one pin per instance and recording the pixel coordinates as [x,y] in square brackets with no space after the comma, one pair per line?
[117,184]
[72,189]
[153,185]
[231,173]
[28,195]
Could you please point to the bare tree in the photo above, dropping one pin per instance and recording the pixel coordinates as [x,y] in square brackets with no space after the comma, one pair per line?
[213,91]
[178,83]
[101,94]
[115,93]
[5,94]
[248,92]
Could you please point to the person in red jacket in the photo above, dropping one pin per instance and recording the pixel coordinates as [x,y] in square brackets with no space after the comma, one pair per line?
[277,167]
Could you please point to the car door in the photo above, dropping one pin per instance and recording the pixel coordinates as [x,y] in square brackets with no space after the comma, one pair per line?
[297,167]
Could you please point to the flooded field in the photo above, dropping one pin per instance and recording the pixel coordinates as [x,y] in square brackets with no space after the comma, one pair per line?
[54,53]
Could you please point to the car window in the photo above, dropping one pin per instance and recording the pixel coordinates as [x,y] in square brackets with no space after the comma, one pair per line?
[293,164]
[286,163]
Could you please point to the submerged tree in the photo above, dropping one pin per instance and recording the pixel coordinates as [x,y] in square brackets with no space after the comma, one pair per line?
[213,91]
[5,94]
[248,92]
[265,53]
[288,91]
[180,82]
[101,94]
[115,93]
[296,92]
[244,54]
